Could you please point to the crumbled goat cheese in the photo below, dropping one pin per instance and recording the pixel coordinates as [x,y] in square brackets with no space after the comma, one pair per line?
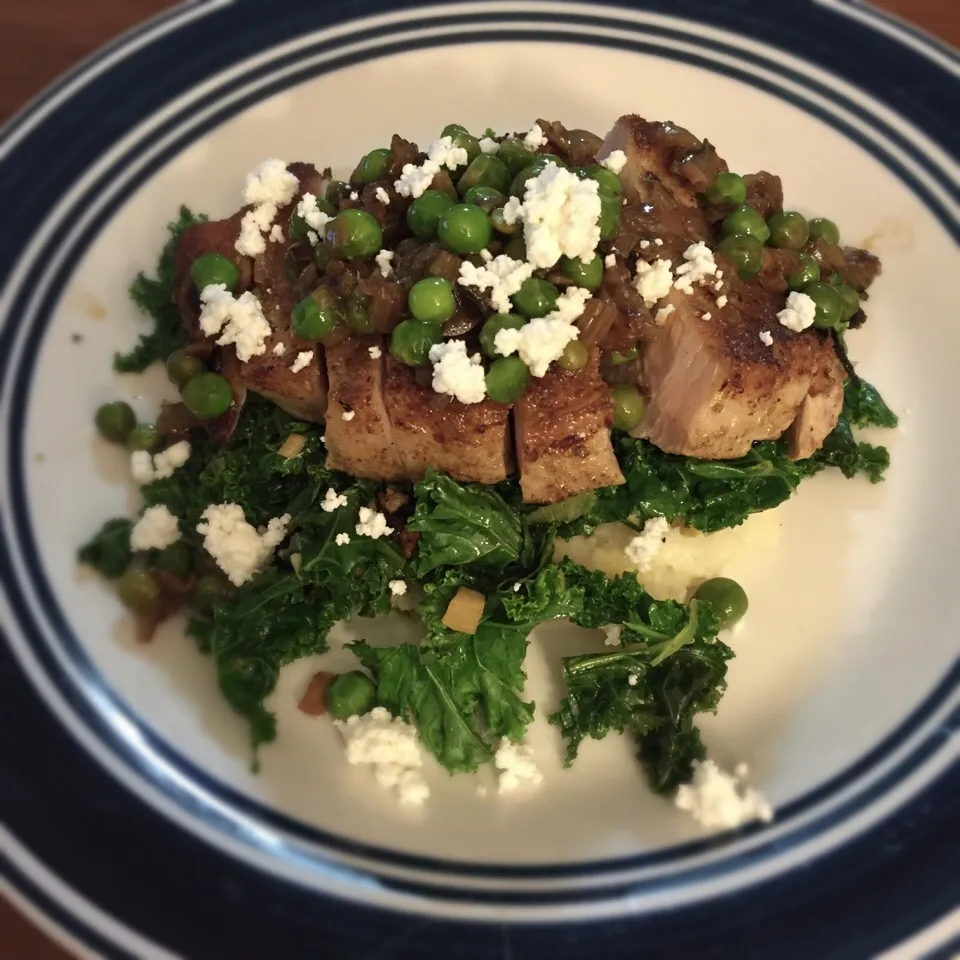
[141,467]
[610,260]
[699,264]
[658,242]
[642,549]
[654,280]
[611,634]
[441,153]
[146,468]
[502,276]
[342,539]
[332,501]
[279,349]
[706,316]
[382,195]
[375,353]
[390,746]
[253,225]
[633,679]
[456,374]
[354,195]
[445,153]
[722,301]
[383,260]
[348,415]
[644,244]
[238,320]
[268,187]
[238,547]
[799,312]
[276,233]
[487,145]
[304,358]
[534,138]
[485,255]
[156,529]
[516,766]
[661,317]
[517,587]
[398,587]
[718,800]
[615,162]
[310,213]
[372,524]
[766,338]
[560,216]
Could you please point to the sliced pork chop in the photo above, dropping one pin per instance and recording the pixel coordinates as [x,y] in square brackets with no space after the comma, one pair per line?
[359,436]
[563,425]
[468,441]
[715,387]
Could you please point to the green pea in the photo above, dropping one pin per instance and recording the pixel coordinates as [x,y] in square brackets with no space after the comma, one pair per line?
[727,188]
[587,274]
[516,249]
[207,395]
[452,130]
[299,228]
[515,154]
[609,221]
[374,165]
[609,182]
[208,590]
[496,323]
[745,221]
[619,359]
[746,252]
[411,341]
[358,312]
[176,559]
[214,268]
[354,234]
[822,228]
[834,279]
[432,300]
[629,406]
[315,316]
[849,301]
[423,215]
[350,695]
[115,421]
[788,230]
[487,199]
[464,229]
[336,190]
[138,591]
[181,366]
[500,225]
[143,436]
[485,171]
[829,305]
[808,273]
[536,297]
[726,597]
[507,378]
[544,158]
[574,357]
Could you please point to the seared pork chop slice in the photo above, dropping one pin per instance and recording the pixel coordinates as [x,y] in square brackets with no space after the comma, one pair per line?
[563,425]
[715,387]
[469,441]
[359,436]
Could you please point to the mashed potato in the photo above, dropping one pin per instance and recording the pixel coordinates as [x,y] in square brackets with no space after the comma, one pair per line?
[686,558]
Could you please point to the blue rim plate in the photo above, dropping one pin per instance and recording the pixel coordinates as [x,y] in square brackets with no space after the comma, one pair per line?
[128,848]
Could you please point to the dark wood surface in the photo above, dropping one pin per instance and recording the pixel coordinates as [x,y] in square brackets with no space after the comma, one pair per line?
[40,39]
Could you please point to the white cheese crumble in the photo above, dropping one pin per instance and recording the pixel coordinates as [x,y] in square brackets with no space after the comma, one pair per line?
[502,276]
[534,137]
[398,587]
[348,415]
[610,260]
[615,162]
[390,746]
[354,195]
[375,352]
[658,242]
[766,338]
[238,320]
[720,801]
[644,244]
[488,145]
[516,766]
[304,358]
[372,524]
[611,634]
[633,679]
[799,313]
[268,187]
[441,153]
[141,467]
[722,301]
[706,316]
[662,314]
[383,260]
[156,529]
[560,216]
[456,374]
[146,468]
[342,539]
[332,501]
[654,280]
[699,264]
[382,196]
[485,255]
[253,224]
[641,550]
[446,154]
[238,548]
[314,217]
[517,587]
[279,349]
[276,233]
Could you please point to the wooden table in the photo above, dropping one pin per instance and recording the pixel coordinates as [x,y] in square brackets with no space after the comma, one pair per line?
[32,53]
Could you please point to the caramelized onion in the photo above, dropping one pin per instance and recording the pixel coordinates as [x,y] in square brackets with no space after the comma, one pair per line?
[598,316]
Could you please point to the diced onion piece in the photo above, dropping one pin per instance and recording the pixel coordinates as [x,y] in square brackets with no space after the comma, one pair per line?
[465,611]
[292,446]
